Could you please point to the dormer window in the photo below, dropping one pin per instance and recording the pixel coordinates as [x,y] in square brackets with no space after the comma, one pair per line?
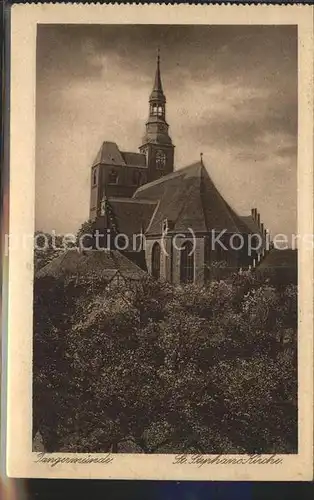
[113,177]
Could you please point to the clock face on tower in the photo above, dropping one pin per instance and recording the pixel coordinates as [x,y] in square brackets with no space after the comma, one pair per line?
[160,159]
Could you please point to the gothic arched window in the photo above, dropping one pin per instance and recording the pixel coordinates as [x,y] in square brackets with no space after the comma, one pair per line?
[113,177]
[156,260]
[187,263]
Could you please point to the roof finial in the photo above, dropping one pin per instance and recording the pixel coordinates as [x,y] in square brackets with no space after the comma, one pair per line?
[158,54]
[201,155]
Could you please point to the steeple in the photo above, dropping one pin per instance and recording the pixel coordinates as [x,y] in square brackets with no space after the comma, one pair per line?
[157,92]
[157,144]
[156,126]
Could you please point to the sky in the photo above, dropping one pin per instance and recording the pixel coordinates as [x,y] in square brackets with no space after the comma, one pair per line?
[231,94]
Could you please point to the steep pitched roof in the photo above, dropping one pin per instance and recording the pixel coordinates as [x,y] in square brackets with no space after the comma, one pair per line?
[131,217]
[105,263]
[189,198]
[134,159]
[251,224]
[110,154]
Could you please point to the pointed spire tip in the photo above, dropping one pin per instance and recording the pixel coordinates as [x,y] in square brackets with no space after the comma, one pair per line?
[158,85]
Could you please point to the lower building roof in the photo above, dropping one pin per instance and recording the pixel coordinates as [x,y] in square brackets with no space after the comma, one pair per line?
[103,263]
[129,217]
[277,258]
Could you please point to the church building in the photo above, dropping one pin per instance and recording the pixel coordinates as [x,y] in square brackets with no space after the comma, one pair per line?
[163,219]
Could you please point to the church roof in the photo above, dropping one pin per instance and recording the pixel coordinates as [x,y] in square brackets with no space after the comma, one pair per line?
[109,154]
[251,224]
[105,263]
[189,199]
[134,159]
[131,216]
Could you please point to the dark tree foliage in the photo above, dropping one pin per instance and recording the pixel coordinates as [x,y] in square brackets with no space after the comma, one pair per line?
[161,369]
[46,248]
[84,235]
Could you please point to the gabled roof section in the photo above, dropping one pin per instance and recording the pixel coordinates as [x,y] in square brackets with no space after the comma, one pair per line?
[131,217]
[109,154]
[134,159]
[189,198]
[105,263]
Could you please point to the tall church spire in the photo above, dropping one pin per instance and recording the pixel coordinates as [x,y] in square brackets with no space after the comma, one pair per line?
[157,144]
[157,89]
[157,107]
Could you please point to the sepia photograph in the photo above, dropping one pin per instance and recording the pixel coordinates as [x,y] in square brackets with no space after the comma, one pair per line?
[165,261]
[169,323]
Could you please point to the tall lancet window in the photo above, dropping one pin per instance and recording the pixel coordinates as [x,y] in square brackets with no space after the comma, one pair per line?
[187,263]
[94,176]
[156,260]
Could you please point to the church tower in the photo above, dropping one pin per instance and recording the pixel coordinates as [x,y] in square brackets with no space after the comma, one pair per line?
[157,144]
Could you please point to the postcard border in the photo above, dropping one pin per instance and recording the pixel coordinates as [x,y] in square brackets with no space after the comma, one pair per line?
[21,462]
